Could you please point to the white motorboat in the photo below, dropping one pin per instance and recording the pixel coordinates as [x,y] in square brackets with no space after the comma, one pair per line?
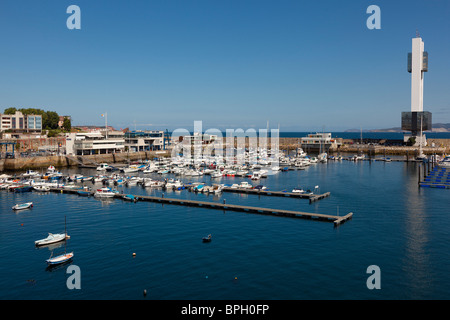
[52,238]
[41,188]
[102,167]
[216,174]
[23,206]
[445,163]
[130,169]
[31,173]
[245,185]
[322,157]
[104,193]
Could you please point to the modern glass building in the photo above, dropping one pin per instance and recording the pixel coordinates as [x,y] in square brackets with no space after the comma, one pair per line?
[144,140]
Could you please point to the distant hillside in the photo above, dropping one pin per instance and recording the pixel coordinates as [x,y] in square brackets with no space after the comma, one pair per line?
[437,127]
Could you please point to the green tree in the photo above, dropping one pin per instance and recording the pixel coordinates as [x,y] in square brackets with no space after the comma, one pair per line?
[50,120]
[10,111]
[67,125]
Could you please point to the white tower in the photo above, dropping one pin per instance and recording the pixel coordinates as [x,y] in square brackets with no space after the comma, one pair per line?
[419,65]
[417,120]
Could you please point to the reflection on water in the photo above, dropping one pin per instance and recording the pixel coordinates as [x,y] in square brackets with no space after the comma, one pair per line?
[416,260]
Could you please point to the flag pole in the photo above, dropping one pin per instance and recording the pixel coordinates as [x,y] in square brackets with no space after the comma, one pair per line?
[106,124]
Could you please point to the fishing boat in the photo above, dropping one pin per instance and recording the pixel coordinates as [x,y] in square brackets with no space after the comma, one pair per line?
[23,206]
[207,239]
[104,193]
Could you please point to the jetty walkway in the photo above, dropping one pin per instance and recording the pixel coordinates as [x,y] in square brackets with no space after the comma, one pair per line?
[337,220]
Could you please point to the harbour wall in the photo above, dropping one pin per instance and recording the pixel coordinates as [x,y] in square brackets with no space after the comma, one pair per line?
[62,161]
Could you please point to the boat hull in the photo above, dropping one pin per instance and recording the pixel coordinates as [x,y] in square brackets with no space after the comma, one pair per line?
[60,259]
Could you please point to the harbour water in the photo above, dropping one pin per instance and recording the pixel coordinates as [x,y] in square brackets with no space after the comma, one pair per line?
[396,225]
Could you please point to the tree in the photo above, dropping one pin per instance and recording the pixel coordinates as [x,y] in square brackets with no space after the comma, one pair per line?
[67,125]
[10,111]
[50,120]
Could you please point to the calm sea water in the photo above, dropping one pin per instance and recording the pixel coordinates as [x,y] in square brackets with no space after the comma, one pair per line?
[396,226]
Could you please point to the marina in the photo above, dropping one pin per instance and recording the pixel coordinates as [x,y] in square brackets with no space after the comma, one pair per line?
[200,152]
[164,227]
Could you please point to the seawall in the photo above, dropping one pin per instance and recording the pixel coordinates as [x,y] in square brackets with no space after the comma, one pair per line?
[71,160]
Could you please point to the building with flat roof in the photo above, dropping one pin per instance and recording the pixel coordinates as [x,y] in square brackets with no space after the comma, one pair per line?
[20,123]
[88,143]
[319,142]
[144,140]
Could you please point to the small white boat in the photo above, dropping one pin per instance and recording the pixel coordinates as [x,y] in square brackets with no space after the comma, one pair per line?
[31,173]
[216,174]
[41,188]
[23,206]
[102,167]
[60,259]
[445,163]
[298,190]
[130,169]
[245,185]
[52,238]
[104,193]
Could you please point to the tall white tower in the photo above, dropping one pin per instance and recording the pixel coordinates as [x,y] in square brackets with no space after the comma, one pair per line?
[417,120]
[419,65]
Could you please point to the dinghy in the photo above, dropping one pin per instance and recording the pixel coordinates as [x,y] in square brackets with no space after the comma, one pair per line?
[23,206]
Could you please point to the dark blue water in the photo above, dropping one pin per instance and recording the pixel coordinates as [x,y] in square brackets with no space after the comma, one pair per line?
[396,226]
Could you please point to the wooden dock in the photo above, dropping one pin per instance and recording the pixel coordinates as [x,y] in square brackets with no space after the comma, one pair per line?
[312,197]
[337,220]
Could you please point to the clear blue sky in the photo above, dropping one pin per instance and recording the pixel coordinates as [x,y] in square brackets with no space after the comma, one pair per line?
[230,63]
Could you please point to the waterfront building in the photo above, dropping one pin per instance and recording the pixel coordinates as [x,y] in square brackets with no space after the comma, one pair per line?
[319,142]
[88,143]
[144,140]
[199,139]
[20,123]
[416,121]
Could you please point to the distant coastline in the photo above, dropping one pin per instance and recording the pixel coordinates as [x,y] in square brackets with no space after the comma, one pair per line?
[437,128]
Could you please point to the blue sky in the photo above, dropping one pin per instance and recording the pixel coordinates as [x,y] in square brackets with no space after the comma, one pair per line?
[306,65]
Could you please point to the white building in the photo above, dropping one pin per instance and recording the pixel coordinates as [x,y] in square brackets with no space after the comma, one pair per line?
[88,143]
[318,142]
